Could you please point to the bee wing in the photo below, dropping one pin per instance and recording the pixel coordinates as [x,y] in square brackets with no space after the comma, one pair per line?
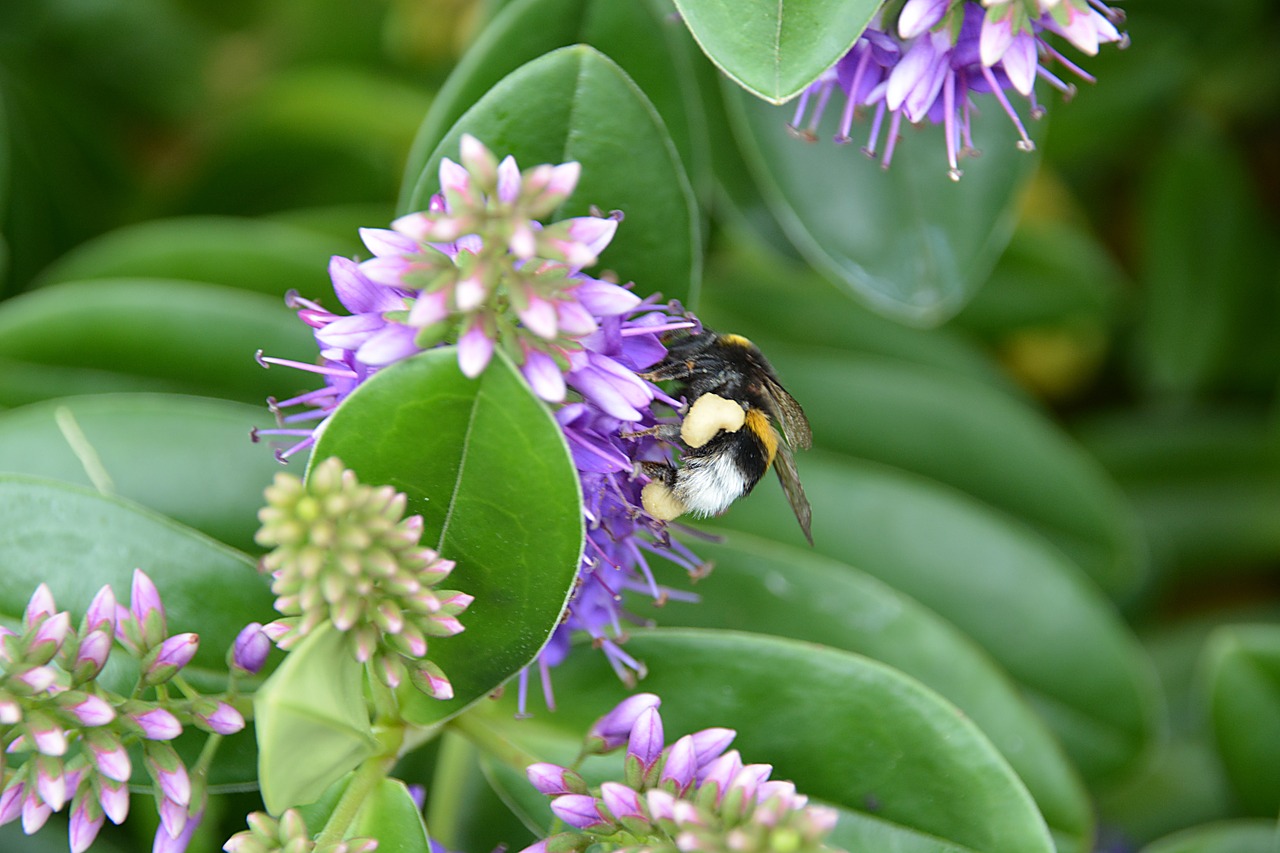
[785,464]
[795,426]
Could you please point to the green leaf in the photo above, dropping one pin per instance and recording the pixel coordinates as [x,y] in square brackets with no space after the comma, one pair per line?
[311,720]
[1243,664]
[576,104]
[1235,836]
[847,730]
[907,242]
[758,293]
[794,593]
[77,542]
[997,581]
[1204,278]
[391,816]
[486,466]
[774,50]
[996,448]
[653,52]
[252,254]
[189,458]
[129,335]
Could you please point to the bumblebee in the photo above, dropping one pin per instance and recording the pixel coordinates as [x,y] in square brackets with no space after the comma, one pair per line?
[727,436]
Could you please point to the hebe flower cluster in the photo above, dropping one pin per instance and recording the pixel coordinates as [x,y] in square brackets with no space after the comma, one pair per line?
[927,65]
[289,834]
[478,269]
[345,553]
[689,796]
[66,736]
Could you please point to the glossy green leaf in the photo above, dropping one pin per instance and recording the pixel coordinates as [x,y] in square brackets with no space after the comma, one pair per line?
[792,592]
[129,335]
[390,816]
[654,52]
[486,466]
[907,241]
[979,440]
[189,458]
[252,254]
[1207,270]
[77,541]
[1243,663]
[576,104]
[774,50]
[847,730]
[1236,836]
[311,720]
[994,579]
[752,291]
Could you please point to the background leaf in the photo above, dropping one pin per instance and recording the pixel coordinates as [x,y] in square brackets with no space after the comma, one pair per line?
[486,466]
[577,104]
[130,335]
[1238,836]
[774,50]
[1243,664]
[927,769]
[792,592]
[902,241]
[652,51]
[189,458]
[997,581]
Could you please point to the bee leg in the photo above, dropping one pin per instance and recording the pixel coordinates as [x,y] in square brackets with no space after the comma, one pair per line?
[674,370]
[658,498]
[708,416]
[664,432]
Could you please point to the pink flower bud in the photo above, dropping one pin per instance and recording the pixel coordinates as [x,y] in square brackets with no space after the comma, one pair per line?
[578,810]
[250,650]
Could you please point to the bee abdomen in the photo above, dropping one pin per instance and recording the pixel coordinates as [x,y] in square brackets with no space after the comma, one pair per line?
[715,475]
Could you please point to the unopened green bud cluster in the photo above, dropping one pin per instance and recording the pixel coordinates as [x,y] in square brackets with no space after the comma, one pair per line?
[289,834]
[345,553]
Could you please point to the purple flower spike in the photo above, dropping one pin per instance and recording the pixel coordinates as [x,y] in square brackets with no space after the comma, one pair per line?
[147,609]
[252,645]
[49,637]
[578,810]
[681,765]
[475,348]
[86,821]
[172,655]
[621,801]
[614,728]
[34,813]
[92,655]
[158,724]
[554,780]
[11,803]
[710,744]
[40,606]
[101,614]
[109,756]
[92,711]
[166,843]
[222,719]
[114,799]
[646,739]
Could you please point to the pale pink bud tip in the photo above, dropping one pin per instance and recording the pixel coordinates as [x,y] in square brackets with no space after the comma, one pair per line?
[93,711]
[225,720]
[40,604]
[578,810]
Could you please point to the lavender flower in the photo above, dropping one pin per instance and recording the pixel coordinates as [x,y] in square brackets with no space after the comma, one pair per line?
[344,553]
[480,270]
[941,53]
[74,734]
[682,800]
